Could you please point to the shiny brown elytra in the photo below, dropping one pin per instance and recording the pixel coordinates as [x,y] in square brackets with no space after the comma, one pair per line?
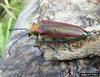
[53,29]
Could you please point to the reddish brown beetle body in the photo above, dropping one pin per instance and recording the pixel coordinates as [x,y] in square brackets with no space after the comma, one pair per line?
[52,29]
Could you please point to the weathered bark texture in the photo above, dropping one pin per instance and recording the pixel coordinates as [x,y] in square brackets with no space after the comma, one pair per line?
[29,61]
[90,47]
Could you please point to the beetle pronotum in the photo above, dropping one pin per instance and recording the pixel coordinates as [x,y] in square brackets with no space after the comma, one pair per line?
[62,32]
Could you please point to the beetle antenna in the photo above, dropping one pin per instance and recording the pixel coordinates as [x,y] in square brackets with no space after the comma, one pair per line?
[9,50]
[18,29]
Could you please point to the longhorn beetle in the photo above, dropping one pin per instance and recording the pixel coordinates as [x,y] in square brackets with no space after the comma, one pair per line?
[61,32]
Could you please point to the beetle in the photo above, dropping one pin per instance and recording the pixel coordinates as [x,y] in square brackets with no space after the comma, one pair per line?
[58,31]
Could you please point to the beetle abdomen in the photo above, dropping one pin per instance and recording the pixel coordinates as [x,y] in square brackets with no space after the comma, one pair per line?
[54,29]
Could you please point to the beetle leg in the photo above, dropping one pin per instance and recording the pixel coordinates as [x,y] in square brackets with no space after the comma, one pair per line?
[49,45]
[69,47]
[63,40]
[36,42]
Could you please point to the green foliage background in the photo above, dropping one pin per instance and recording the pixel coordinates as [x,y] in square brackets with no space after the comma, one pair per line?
[8,18]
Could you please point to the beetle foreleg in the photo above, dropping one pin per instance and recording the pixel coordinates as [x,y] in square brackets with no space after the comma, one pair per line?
[36,42]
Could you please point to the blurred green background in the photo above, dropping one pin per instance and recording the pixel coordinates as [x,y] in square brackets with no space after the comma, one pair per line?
[9,11]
